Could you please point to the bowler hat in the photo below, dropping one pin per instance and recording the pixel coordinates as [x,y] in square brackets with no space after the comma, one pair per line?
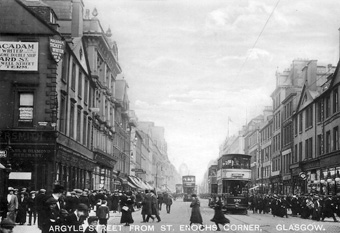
[10,189]
[58,189]
[82,207]
[7,223]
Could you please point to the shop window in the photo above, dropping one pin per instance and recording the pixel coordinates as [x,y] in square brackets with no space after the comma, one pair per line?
[26,107]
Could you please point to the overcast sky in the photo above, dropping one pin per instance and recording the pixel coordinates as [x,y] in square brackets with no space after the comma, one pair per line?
[190,63]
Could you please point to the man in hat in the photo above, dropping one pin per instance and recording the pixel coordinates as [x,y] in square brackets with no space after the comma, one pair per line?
[31,206]
[76,219]
[316,214]
[93,223]
[12,204]
[40,199]
[6,225]
[51,217]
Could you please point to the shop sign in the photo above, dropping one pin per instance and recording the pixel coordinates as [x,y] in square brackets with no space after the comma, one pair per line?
[287,177]
[57,48]
[19,56]
[26,114]
[23,137]
[303,175]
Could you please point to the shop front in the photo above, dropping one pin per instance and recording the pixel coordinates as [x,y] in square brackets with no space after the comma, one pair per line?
[276,184]
[103,175]
[30,156]
[73,169]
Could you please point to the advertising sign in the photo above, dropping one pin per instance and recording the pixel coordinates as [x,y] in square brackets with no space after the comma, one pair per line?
[19,56]
[57,49]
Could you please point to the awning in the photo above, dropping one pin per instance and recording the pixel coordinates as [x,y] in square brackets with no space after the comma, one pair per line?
[135,182]
[254,187]
[2,166]
[132,185]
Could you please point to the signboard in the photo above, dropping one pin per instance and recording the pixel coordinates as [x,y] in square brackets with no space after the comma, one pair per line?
[20,176]
[19,56]
[240,175]
[303,175]
[26,114]
[57,48]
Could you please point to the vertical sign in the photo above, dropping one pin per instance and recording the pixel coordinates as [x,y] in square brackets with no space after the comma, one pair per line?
[57,48]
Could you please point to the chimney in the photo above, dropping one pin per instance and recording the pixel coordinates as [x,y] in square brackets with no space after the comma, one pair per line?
[77,18]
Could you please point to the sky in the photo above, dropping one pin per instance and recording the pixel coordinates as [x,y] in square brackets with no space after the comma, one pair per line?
[192,64]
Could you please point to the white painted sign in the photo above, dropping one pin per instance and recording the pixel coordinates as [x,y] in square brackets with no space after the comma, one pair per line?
[19,56]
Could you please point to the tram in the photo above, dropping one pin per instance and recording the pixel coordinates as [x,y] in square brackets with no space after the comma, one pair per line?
[233,177]
[189,187]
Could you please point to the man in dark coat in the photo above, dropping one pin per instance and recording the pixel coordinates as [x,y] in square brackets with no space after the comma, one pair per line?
[40,199]
[146,207]
[328,209]
[22,209]
[32,208]
[75,220]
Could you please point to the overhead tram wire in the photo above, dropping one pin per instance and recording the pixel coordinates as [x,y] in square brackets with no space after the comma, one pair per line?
[258,37]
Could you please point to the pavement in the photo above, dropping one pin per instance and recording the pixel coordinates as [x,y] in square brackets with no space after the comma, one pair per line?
[178,222]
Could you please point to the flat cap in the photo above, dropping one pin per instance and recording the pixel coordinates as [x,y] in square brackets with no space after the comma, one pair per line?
[51,201]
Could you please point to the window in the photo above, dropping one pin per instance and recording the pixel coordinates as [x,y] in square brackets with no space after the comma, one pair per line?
[85,130]
[300,151]
[300,122]
[86,90]
[73,81]
[328,141]
[62,117]
[296,125]
[335,138]
[25,109]
[72,120]
[295,154]
[328,106]
[65,65]
[79,124]
[319,113]
[309,117]
[335,101]
[319,145]
[80,84]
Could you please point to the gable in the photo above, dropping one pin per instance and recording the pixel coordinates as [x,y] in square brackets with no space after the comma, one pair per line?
[306,98]
[79,51]
[15,17]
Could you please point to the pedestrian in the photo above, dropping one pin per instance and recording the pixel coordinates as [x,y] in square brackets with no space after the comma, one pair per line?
[32,208]
[317,209]
[160,201]
[103,213]
[93,223]
[6,225]
[168,203]
[219,217]
[40,204]
[154,206]
[146,207]
[196,216]
[115,202]
[75,220]
[12,204]
[22,209]
[328,209]
[127,203]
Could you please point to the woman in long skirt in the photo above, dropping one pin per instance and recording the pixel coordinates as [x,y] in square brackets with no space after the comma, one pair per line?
[219,217]
[196,216]
[127,203]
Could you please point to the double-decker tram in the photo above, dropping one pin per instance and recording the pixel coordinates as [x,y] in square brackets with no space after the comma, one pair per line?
[233,177]
[189,187]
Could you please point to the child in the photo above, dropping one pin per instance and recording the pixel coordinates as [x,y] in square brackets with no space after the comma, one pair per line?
[103,213]
[93,222]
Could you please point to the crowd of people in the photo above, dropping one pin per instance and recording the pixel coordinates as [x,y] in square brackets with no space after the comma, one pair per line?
[62,211]
[306,206]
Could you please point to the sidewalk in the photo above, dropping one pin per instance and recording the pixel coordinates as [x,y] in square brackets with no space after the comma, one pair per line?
[115,217]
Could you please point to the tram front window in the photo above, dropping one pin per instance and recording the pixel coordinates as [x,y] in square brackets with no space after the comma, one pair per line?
[234,187]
